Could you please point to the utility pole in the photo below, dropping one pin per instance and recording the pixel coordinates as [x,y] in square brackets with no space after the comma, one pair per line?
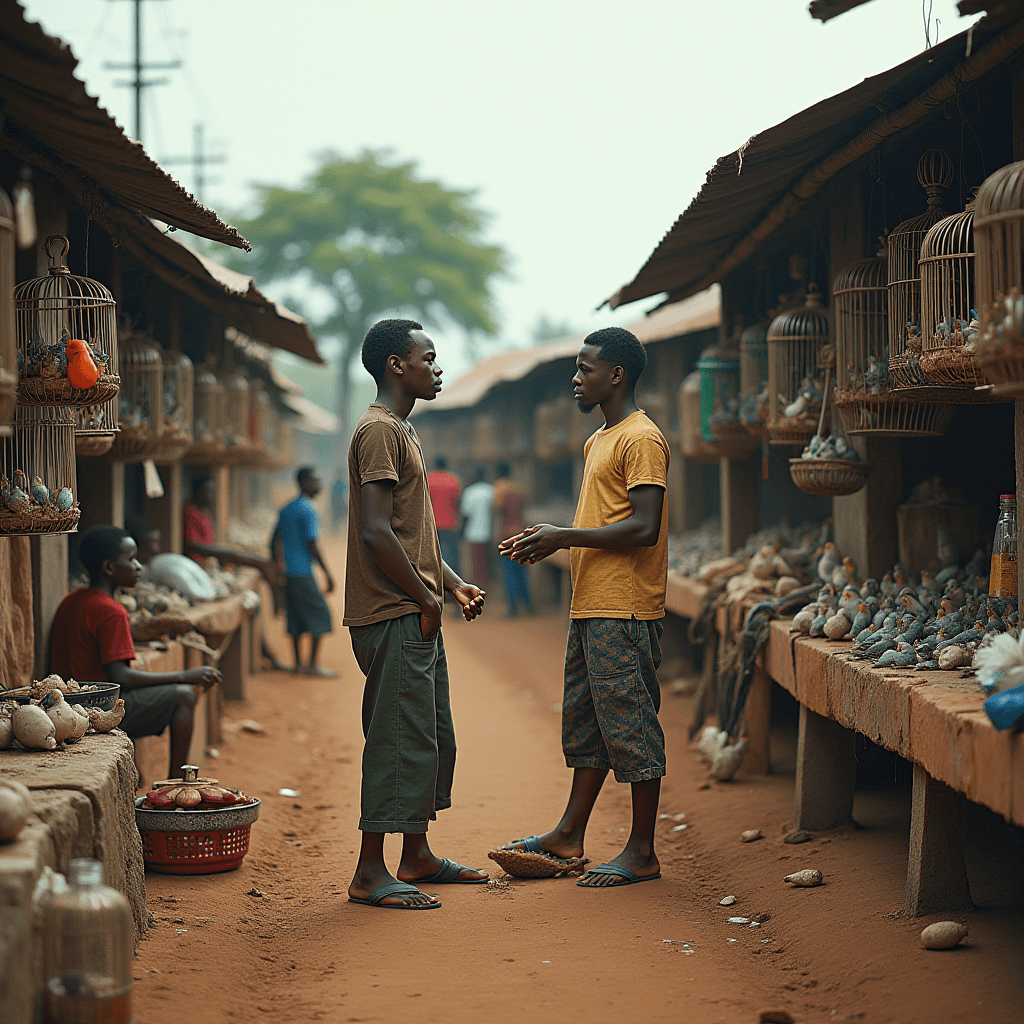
[138,83]
[199,161]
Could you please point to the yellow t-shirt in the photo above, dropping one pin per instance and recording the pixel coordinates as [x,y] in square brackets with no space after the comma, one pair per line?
[627,582]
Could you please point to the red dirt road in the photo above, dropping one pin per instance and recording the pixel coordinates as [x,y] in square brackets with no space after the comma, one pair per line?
[277,940]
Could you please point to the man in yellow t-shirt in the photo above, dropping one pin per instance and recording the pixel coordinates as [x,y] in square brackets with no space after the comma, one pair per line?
[618,553]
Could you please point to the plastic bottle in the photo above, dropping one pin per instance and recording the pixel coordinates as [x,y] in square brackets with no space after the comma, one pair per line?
[87,942]
[1002,580]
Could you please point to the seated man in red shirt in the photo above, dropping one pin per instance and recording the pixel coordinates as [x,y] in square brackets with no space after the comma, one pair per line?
[92,643]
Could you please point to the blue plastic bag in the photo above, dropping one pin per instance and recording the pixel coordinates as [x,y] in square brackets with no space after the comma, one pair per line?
[1006,709]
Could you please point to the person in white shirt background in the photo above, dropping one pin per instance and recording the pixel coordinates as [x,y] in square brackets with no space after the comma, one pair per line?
[475,508]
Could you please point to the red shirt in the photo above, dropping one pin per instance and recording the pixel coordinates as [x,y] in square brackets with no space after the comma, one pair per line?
[444,496]
[197,527]
[90,630]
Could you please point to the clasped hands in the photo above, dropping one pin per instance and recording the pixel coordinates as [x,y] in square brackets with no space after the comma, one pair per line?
[533,544]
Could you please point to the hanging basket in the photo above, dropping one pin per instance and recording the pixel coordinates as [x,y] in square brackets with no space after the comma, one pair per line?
[176,430]
[904,413]
[830,478]
[141,401]
[93,445]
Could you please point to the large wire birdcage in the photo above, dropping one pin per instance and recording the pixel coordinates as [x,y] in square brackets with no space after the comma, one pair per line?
[863,390]
[95,428]
[178,400]
[695,447]
[795,379]
[38,473]
[66,336]
[934,172]
[8,348]
[237,406]
[719,369]
[949,323]
[999,278]
[141,400]
[208,420]
[754,379]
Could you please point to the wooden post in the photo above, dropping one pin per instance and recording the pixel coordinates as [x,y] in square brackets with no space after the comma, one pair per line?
[101,493]
[233,676]
[738,481]
[49,588]
[936,876]
[165,512]
[865,522]
[826,773]
[691,493]
[758,714]
[222,478]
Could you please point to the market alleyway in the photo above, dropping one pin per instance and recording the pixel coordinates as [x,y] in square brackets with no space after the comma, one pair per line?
[277,940]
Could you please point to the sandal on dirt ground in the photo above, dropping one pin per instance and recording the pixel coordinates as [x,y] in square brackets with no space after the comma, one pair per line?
[448,874]
[533,861]
[627,876]
[319,670]
[394,889]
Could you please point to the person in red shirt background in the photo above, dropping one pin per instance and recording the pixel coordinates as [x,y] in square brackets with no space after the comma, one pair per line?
[91,642]
[507,504]
[444,497]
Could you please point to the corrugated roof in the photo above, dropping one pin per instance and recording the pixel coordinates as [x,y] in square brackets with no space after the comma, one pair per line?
[43,106]
[752,191]
[697,313]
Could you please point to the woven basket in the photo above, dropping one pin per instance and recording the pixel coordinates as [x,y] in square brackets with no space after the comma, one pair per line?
[913,413]
[91,446]
[133,444]
[60,391]
[792,432]
[831,478]
[171,448]
[1003,365]
[36,521]
[952,367]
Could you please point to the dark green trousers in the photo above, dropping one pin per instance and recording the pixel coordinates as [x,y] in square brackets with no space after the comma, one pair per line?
[409,755]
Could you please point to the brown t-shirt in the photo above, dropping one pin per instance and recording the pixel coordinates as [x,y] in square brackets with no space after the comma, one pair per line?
[624,582]
[383,447]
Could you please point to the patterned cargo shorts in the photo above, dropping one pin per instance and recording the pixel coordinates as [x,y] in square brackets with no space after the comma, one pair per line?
[611,698]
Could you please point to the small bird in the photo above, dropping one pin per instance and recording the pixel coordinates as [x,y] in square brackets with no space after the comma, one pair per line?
[64,499]
[903,656]
[828,563]
[844,574]
[876,650]
[727,761]
[861,620]
[910,602]
[710,741]
[82,371]
[40,492]
[928,582]
[887,586]
[952,657]
[17,499]
[869,588]
[818,625]
[850,601]
[803,619]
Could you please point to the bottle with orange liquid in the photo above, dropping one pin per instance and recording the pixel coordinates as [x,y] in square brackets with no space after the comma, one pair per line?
[1002,581]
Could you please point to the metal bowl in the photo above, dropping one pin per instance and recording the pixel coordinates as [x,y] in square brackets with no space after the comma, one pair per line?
[103,698]
[216,818]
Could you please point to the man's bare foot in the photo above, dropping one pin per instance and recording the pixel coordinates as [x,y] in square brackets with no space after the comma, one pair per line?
[365,882]
[414,868]
[641,862]
[554,842]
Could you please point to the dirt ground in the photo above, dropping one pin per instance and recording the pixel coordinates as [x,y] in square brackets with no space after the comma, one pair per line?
[276,940]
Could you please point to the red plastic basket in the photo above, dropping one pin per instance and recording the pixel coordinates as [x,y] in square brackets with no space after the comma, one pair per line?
[195,853]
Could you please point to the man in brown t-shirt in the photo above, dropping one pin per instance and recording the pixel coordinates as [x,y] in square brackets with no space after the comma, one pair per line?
[618,554]
[394,588]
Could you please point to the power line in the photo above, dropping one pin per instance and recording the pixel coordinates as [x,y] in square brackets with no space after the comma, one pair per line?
[199,161]
[138,83]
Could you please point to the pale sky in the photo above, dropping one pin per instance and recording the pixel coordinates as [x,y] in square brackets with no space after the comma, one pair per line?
[586,126]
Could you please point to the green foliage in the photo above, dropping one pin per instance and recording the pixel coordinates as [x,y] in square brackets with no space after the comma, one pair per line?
[550,330]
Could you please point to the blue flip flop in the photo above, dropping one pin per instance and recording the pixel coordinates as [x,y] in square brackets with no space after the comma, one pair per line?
[629,878]
[394,889]
[530,845]
[448,874]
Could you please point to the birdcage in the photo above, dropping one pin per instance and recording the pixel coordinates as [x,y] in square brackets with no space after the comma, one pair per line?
[282,455]
[259,425]
[695,447]
[863,387]
[552,430]
[66,336]
[95,428]
[8,349]
[38,478]
[999,268]
[141,400]
[934,172]
[237,405]
[178,400]
[754,379]
[720,421]
[208,422]
[795,339]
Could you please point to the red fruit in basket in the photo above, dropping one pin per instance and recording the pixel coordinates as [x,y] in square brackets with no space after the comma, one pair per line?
[159,801]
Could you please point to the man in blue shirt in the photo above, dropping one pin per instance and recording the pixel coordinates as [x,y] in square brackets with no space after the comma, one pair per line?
[295,550]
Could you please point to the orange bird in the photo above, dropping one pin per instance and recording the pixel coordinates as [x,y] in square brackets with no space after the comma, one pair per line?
[82,370]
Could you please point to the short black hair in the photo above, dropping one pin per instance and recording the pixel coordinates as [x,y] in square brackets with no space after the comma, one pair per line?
[101,544]
[384,339]
[441,462]
[503,469]
[303,473]
[199,483]
[619,347]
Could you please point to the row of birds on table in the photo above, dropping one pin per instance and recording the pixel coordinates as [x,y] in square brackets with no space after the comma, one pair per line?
[938,623]
[19,497]
[72,358]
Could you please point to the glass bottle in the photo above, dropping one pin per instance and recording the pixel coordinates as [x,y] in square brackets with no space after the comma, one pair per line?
[1002,580]
[87,939]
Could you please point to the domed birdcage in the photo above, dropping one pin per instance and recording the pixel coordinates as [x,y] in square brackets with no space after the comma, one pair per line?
[141,400]
[96,427]
[949,324]
[66,336]
[8,349]
[795,339]
[719,368]
[238,402]
[754,379]
[178,387]
[38,473]
[934,172]
[999,278]
[695,447]
[863,389]
[208,420]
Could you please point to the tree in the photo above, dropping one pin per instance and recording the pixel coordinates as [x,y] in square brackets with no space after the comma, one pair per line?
[550,330]
[375,239]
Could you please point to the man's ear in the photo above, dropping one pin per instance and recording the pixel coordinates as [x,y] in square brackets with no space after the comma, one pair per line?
[395,363]
[618,375]
[107,567]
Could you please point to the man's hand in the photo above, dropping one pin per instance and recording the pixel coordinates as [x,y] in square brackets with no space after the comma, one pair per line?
[430,619]
[533,544]
[472,600]
[329,584]
[204,676]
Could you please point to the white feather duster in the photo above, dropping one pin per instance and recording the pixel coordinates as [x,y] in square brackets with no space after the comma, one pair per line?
[999,662]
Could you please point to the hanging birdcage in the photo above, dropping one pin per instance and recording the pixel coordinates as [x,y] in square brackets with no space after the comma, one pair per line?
[208,421]
[934,172]
[38,473]
[238,402]
[552,430]
[695,447]
[66,336]
[754,379]
[259,412]
[8,349]
[95,429]
[176,430]
[999,269]
[795,339]
[141,400]
[863,388]
[719,369]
